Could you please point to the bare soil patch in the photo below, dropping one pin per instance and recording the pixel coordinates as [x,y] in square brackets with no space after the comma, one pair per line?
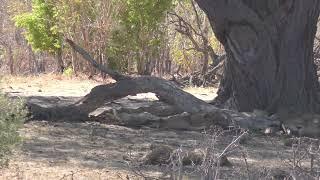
[47,85]
[92,150]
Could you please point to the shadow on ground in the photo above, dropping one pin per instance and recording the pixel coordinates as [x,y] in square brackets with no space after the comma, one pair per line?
[61,147]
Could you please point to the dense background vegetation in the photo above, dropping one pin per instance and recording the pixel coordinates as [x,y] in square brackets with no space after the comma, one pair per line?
[144,37]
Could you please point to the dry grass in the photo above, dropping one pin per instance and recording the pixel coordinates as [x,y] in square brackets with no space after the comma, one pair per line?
[95,151]
[43,77]
[48,85]
[42,171]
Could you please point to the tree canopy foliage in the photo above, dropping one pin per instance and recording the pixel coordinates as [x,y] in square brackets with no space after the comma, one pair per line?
[42,30]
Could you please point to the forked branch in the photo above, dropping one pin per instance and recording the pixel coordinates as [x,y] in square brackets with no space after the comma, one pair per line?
[114,74]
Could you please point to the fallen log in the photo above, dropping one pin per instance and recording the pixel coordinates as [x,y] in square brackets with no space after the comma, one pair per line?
[197,113]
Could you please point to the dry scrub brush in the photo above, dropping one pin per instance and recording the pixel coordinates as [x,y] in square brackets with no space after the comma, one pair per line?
[304,159]
[12,116]
[205,158]
[209,160]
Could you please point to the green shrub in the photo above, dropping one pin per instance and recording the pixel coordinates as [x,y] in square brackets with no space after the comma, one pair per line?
[12,116]
[68,72]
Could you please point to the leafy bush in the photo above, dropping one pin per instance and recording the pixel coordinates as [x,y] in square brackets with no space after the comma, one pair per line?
[12,116]
[68,72]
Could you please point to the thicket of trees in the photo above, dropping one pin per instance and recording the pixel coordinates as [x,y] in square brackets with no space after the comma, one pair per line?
[144,37]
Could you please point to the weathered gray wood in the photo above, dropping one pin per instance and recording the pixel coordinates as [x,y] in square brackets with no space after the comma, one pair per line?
[166,91]
[115,75]
[200,114]
[269,45]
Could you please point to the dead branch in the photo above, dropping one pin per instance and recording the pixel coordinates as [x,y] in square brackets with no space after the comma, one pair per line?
[114,74]
[199,113]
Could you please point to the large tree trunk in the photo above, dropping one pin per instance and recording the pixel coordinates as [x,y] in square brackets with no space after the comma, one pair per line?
[269,45]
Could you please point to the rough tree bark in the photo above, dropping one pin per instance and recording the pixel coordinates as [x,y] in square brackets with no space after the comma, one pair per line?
[197,113]
[269,46]
[166,91]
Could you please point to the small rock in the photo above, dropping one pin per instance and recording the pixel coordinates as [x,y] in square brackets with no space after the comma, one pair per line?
[271,130]
[39,90]
[224,162]
[194,157]
[244,139]
[290,142]
[160,154]
[126,157]
[279,175]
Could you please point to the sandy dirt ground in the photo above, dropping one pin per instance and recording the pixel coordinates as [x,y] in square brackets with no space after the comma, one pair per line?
[64,150]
